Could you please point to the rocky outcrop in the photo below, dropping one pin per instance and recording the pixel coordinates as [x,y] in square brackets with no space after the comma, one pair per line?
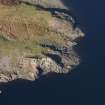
[57,45]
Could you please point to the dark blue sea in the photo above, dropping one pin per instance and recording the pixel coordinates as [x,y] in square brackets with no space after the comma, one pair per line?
[86,84]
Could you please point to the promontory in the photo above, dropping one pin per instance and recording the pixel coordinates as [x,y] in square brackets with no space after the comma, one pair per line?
[37,37]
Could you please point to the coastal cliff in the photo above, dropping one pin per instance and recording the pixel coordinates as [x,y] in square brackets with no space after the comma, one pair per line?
[36,39]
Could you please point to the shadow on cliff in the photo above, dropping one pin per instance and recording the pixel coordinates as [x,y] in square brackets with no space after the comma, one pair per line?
[85,85]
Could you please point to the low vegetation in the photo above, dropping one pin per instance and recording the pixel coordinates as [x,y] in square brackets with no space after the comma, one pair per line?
[22,28]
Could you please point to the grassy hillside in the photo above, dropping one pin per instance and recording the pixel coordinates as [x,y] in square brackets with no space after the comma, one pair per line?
[22,28]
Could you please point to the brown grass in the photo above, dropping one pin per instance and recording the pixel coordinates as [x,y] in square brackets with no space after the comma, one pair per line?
[23,27]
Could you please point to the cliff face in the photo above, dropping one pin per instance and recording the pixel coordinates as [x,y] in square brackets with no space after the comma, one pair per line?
[46,3]
[35,41]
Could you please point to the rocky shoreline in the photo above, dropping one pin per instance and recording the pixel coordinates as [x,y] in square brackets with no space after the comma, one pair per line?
[60,58]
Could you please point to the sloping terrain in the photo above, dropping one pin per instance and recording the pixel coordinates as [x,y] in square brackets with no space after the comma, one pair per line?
[46,3]
[34,42]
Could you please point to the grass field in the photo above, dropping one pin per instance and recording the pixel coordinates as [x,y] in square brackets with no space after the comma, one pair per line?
[23,28]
